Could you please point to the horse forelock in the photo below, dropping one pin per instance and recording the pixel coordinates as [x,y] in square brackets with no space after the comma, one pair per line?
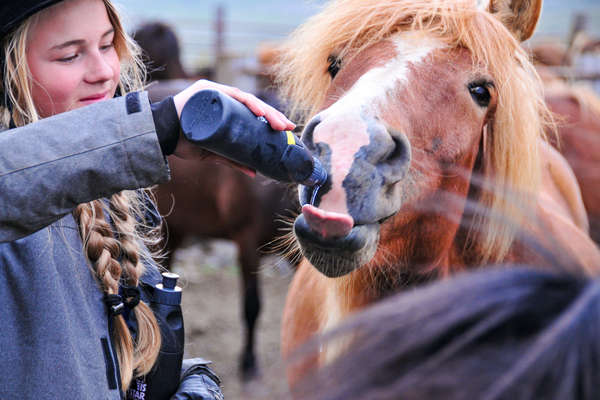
[346,27]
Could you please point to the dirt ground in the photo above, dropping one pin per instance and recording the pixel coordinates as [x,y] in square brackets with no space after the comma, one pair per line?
[213,320]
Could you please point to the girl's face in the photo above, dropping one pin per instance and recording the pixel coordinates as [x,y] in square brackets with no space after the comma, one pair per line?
[71,56]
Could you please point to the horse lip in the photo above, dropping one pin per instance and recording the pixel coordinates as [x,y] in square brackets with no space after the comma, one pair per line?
[344,250]
[352,241]
[379,221]
[384,219]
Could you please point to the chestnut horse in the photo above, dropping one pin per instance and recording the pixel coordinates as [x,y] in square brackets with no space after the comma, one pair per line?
[429,118]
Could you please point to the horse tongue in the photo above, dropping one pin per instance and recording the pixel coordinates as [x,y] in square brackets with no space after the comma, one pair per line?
[328,224]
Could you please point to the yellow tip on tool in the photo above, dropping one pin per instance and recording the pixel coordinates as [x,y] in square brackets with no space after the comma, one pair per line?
[290,138]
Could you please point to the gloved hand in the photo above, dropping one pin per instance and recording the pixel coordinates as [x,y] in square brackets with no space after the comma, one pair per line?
[198,382]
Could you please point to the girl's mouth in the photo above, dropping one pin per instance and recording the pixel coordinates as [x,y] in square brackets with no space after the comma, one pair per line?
[94,98]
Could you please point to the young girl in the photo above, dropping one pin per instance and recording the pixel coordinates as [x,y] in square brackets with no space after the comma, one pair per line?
[73,232]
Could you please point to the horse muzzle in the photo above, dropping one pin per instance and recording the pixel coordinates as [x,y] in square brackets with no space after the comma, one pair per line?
[366,162]
[334,255]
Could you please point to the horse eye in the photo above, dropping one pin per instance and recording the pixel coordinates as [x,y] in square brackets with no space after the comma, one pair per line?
[334,66]
[480,93]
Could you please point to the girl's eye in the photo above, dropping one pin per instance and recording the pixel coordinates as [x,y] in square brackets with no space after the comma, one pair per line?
[107,46]
[69,58]
[480,92]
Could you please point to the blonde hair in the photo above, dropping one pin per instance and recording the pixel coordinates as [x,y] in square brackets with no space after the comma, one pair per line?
[115,250]
[511,159]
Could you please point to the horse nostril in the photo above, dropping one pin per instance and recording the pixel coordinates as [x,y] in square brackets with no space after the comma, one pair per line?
[401,151]
[396,164]
[307,134]
[398,150]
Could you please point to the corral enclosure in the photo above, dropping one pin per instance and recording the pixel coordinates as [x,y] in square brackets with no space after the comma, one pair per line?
[247,24]
[211,294]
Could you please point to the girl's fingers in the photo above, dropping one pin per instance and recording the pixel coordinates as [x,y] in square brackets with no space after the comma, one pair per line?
[256,106]
[252,102]
[276,119]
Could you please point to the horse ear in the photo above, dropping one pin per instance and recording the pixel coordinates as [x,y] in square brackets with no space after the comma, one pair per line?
[519,16]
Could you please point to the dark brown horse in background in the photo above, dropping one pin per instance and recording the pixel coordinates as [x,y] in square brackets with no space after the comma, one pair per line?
[209,200]
[429,118]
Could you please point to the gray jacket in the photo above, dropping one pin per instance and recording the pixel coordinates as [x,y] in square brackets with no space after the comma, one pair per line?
[54,335]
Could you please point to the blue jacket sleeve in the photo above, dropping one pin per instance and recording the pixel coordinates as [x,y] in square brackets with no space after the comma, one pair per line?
[49,167]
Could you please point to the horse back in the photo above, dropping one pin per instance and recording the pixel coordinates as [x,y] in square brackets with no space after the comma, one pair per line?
[210,200]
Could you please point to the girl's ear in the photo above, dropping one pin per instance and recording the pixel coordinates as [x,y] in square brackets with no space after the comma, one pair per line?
[519,16]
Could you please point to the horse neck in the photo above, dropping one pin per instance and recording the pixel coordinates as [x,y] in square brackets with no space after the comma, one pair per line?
[420,249]
[360,288]
[344,296]
[374,282]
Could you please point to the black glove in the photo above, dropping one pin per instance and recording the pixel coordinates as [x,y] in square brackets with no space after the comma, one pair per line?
[198,382]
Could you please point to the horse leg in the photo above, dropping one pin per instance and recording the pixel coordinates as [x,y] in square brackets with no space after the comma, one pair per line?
[249,263]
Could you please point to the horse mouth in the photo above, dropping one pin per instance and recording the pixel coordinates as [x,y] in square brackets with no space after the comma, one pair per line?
[337,256]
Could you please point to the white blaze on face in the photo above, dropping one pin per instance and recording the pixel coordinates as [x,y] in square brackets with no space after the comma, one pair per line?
[343,127]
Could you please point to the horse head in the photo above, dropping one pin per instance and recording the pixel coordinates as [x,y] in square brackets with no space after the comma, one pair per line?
[410,103]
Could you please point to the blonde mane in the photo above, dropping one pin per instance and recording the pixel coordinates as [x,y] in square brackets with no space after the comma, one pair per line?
[511,160]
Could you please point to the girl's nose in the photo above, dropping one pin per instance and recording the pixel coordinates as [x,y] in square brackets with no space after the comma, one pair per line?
[99,69]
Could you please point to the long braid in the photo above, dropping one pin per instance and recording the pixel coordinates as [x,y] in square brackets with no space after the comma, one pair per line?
[101,247]
[104,247]
[124,206]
